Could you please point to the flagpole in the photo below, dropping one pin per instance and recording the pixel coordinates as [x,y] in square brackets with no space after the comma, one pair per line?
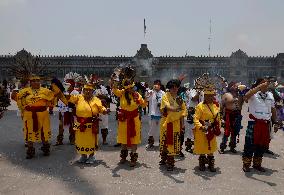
[144,28]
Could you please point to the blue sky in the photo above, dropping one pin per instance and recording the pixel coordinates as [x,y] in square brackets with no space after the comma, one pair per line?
[115,27]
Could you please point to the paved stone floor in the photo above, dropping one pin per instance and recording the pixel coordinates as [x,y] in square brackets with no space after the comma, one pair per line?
[60,174]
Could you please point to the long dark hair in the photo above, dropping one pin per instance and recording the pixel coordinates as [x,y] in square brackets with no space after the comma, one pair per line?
[172,83]
[127,97]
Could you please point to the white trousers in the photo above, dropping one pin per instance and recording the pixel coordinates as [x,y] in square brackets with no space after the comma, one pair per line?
[154,129]
[104,121]
[188,130]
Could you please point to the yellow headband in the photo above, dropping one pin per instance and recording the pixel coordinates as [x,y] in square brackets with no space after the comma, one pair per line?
[34,77]
[209,92]
[88,86]
[129,86]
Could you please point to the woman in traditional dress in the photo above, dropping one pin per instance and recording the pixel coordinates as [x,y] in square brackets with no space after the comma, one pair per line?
[129,124]
[86,126]
[172,123]
[206,128]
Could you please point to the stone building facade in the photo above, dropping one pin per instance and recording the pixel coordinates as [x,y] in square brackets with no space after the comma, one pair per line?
[239,66]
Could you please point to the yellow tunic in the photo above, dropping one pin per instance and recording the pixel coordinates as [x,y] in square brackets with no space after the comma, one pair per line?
[122,125]
[202,112]
[174,118]
[41,97]
[85,142]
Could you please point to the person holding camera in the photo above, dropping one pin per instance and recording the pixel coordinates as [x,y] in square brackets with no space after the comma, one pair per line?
[154,98]
[86,124]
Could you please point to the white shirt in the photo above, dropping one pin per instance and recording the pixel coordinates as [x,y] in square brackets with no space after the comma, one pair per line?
[154,99]
[260,107]
[101,91]
[64,108]
[189,95]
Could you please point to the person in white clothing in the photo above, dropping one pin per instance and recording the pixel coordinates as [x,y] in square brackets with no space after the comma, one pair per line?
[104,95]
[262,113]
[154,98]
[193,97]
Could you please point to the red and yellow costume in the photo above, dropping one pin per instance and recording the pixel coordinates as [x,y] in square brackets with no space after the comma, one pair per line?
[170,126]
[86,125]
[129,124]
[203,142]
[34,103]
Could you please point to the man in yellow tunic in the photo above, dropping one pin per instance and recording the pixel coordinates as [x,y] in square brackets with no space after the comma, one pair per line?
[86,125]
[33,102]
[171,125]
[206,128]
[129,124]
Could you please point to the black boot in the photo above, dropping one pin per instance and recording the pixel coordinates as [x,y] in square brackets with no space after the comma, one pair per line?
[59,140]
[257,164]
[188,145]
[170,163]
[117,145]
[104,135]
[222,148]
[123,155]
[246,163]
[46,149]
[133,159]
[211,163]
[151,142]
[30,152]
[232,147]
[202,161]
[163,158]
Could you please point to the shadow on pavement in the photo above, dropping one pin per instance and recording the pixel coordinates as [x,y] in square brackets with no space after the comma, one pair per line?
[206,175]
[56,165]
[268,172]
[170,174]
[273,156]
[125,166]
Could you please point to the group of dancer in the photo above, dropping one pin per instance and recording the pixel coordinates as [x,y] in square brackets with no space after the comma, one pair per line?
[200,112]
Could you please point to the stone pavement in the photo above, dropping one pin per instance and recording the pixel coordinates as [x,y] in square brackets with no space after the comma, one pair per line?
[60,174]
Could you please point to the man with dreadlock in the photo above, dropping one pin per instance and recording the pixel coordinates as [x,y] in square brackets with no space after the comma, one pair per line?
[172,124]
[33,101]
[129,124]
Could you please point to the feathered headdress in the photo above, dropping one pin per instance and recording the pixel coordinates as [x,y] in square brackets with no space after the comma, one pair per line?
[26,67]
[124,76]
[92,81]
[205,83]
[72,78]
